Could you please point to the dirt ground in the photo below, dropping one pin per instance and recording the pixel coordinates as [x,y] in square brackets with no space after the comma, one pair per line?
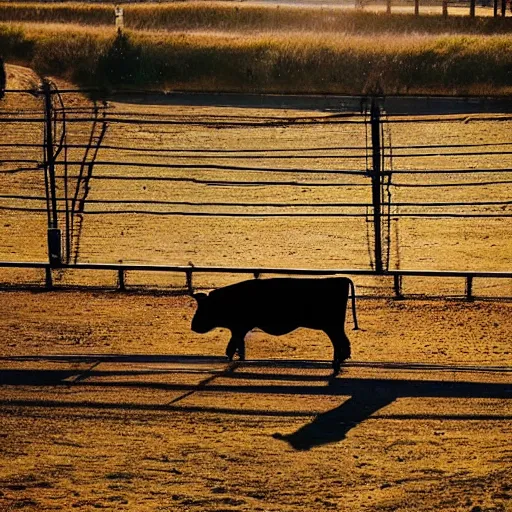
[109,401]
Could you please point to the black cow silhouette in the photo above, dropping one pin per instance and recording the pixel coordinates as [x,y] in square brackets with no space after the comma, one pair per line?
[279,306]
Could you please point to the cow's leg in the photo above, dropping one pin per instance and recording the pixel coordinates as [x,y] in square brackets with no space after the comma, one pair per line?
[236,344]
[339,339]
[341,346]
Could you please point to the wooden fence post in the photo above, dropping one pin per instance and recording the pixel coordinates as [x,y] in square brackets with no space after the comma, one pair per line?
[397,285]
[54,235]
[121,279]
[472,6]
[376,182]
[48,277]
[190,283]
[3,78]
[469,288]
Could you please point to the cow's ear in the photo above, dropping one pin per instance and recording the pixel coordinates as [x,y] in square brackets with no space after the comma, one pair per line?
[200,296]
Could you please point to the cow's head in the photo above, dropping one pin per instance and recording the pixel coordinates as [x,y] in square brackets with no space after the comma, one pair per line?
[205,318]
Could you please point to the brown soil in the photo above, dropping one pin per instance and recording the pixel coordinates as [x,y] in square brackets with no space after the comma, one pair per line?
[109,401]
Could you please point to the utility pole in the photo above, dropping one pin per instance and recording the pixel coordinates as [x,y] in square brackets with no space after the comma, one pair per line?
[376,182]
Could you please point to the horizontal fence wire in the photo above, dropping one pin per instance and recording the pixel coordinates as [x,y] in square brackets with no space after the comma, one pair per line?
[262,214]
[222,183]
[189,214]
[458,184]
[21,170]
[269,150]
[469,117]
[19,161]
[197,150]
[265,205]
[245,156]
[271,154]
[199,204]
[295,170]
[218,167]
[279,122]
[219,154]
[448,171]
[438,154]
[188,122]
[144,267]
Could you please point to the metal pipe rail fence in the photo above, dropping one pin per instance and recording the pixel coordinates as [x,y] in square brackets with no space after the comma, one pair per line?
[374,166]
[122,268]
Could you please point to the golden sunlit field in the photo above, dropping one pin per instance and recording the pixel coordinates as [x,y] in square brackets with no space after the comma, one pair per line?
[246,47]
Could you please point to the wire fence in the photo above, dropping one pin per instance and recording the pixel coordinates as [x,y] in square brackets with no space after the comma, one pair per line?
[95,173]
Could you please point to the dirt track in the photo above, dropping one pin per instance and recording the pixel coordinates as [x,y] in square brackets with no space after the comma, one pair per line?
[109,401]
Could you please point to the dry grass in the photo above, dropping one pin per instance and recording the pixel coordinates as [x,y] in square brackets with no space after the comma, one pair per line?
[247,17]
[211,46]
[269,62]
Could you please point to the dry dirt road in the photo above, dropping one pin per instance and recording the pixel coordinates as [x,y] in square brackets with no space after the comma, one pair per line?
[108,401]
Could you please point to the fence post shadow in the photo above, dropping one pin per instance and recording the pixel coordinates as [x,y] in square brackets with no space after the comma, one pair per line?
[332,426]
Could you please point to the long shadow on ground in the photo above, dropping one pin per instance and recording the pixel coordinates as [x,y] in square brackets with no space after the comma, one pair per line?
[398,105]
[367,395]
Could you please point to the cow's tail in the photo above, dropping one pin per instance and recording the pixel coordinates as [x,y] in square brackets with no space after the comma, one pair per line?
[353,294]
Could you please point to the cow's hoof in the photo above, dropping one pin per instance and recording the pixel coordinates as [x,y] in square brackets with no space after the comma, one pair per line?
[336,366]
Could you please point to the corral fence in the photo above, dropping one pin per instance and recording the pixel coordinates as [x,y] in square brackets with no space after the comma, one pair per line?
[469,7]
[499,6]
[63,138]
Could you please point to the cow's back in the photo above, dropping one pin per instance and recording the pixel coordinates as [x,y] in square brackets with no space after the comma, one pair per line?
[283,304]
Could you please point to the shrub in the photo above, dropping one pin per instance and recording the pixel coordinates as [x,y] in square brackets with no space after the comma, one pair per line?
[121,63]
